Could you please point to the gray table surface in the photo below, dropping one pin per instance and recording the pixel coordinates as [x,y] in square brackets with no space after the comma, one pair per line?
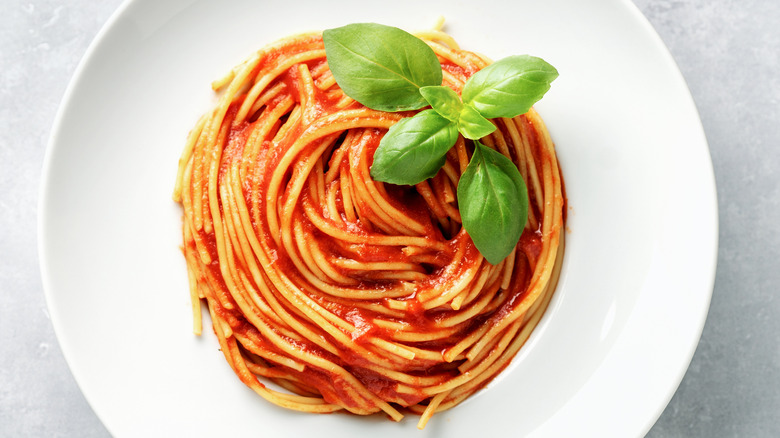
[729,53]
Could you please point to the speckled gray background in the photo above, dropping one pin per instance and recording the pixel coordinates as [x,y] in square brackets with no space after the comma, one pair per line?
[728,51]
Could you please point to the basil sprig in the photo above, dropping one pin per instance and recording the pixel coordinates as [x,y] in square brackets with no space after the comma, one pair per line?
[388,69]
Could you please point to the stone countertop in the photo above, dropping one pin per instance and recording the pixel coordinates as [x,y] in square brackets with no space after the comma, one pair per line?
[728,52]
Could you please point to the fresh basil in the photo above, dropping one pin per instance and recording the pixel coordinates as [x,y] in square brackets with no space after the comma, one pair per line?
[414,149]
[472,125]
[387,69]
[493,202]
[380,66]
[444,100]
[509,87]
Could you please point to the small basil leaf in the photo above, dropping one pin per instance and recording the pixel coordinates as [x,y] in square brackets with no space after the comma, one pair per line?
[382,67]
[509,87]
[414,149]
[444,100]
[493,202]
[472,125]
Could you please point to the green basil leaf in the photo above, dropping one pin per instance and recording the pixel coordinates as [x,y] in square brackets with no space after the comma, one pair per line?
[444,100]
[493,202]
[382,67]
[414,149]
[509,87]
[472,125]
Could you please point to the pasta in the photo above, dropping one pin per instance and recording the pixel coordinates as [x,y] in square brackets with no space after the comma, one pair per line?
[329,291]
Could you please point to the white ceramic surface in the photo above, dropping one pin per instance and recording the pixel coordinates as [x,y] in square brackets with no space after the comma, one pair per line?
[641,239]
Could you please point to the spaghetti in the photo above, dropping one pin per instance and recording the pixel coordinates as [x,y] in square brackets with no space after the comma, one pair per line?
[346,293]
